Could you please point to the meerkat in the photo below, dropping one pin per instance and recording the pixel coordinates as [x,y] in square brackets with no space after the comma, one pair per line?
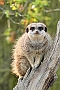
[30,48]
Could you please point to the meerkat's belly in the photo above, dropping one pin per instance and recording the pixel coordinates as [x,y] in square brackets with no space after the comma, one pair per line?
[35,57]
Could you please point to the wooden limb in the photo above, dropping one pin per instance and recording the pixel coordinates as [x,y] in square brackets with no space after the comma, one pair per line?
[43,77]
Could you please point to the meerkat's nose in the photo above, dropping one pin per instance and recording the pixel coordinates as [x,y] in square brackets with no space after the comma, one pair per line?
[36,32]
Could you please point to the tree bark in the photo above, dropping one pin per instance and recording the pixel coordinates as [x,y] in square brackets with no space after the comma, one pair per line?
[43,77]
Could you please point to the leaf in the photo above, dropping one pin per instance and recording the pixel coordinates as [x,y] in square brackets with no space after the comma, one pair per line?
[7,31]
[14,8]
[7,13]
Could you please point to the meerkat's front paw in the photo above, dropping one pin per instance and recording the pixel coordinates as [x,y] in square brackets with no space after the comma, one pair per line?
[35,66]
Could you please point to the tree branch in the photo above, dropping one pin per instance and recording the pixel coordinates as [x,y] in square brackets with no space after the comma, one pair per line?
[43,77]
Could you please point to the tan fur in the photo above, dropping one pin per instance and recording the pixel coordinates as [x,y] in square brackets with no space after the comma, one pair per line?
[29,54]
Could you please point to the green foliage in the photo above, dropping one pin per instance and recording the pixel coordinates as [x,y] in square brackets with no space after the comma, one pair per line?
[15,15]
[23,12]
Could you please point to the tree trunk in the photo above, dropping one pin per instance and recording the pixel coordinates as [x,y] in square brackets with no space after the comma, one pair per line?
[43,77]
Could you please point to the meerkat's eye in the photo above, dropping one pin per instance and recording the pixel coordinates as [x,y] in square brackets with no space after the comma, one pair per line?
[32,28]
[40,28]
[45,29]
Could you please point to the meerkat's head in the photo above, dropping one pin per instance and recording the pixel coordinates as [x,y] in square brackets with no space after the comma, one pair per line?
[36,32]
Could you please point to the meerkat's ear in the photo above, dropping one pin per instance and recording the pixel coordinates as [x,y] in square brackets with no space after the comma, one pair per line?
[45,29]
[27,29]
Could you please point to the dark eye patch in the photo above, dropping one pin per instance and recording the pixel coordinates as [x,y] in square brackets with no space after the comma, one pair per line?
[32,28]
[40,28]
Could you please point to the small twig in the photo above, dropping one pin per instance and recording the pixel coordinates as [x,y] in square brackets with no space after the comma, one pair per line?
[53,10]
[14,21]
[1,16]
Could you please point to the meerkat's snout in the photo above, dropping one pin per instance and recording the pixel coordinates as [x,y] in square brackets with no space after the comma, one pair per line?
[36,32]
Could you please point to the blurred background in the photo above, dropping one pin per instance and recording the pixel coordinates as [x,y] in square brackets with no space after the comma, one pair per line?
[15,15]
